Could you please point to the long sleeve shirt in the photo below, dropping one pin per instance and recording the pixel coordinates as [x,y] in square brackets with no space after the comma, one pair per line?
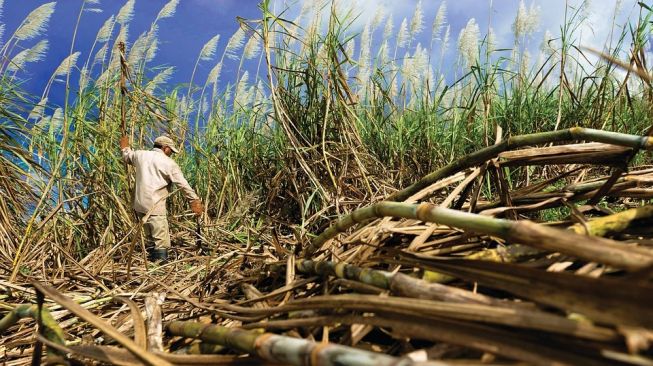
[155,174]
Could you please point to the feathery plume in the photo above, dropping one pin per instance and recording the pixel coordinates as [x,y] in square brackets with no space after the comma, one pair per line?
[364,56]
[406,67]
[440,19]
[526,20]
[126,13]
[67,65]
[259,97]
[168,10]
[310,37]
[209,48]
[513,61]
[468,42]
[183,106]
[235,43]
[519,21]
[394,84]
[101,54]
[57,120]
[252,47]
[379,15]
[2,31]
[122,36]
[144,48]
[421,62]
[41,125]
[104,33]
[384,53]
[138,49]
[548,45]
[417,22]
[2,3]
[525,62]
[402,37]
[160,78]
[36,53]
[204,104]
[107,75]
[83,78]
[35,23]
[445,39]
[114,58]
[533,18]
[92,2]
[491,40]
[38,110]
[306,8]
[430,78]
[153,43]
[214,74]
[242,96]
[350,48]
[387,30]
[416,67]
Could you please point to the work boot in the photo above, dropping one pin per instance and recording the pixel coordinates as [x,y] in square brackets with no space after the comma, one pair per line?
[159,255]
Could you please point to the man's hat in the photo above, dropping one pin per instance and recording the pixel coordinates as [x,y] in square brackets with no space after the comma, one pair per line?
[166,141]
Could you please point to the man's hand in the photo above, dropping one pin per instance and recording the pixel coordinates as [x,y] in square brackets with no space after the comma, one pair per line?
[197,207]
[124,142]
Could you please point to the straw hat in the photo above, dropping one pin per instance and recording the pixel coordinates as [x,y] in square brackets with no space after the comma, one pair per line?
[166,141]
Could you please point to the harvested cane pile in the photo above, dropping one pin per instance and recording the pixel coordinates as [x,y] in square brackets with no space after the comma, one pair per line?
[502,257]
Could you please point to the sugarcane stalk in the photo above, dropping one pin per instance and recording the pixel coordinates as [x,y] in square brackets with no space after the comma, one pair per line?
[572,193]
[601,226]
[527,318]
[593,249]
[475,158]
[510,253]
[282,349]
[604,299]
[469,335]
[398,283]
[614,223]
[51,330]
[144,356]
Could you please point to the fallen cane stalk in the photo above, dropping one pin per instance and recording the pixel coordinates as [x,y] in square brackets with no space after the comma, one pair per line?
[593,249]
[614,223]
[480,156]
[282,349]
[51,329]
[398,283]
[600,226]
[143,355]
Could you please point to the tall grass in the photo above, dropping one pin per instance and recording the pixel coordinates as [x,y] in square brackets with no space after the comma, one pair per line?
[332,118]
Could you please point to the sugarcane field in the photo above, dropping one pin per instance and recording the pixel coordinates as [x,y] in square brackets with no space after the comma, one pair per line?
[326,182]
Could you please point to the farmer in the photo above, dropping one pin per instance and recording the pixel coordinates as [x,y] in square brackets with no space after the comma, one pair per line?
[155,173]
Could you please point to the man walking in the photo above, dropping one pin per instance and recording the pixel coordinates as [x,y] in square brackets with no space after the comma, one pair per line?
[155,174]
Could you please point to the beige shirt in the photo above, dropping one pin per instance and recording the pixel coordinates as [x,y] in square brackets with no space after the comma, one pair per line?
[155,172]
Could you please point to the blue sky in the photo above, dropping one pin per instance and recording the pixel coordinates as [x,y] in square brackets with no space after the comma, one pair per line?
[196,21]
[181,37]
